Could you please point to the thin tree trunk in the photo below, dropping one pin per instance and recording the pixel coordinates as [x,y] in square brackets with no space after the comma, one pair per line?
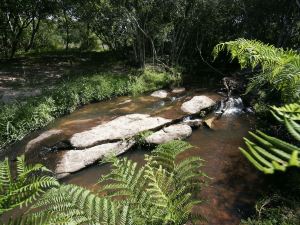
[35,29]
[67,30]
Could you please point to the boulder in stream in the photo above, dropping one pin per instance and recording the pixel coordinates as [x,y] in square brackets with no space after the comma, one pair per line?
[74,160]
[197,103]
[42,137]
[117,129]
[160,94]
[173,132]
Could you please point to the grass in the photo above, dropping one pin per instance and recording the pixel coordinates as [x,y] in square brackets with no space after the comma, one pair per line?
[20,118]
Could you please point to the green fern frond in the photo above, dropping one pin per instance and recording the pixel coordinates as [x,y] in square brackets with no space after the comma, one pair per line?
[165,154]
[280,68]
[124,180]
[82,206]
[25,188]
[39,219]
[152,194]
[268,153]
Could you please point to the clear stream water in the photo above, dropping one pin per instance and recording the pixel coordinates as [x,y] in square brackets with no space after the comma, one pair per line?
[233,186]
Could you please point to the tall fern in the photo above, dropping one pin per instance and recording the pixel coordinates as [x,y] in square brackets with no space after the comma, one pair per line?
[161,192]
[280,68]
[24,188]
[80,206]
[269,153]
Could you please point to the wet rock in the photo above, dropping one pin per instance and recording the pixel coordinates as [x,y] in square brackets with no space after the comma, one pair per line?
[178,90]
[125,102]
[173,132]
[75,160]
[209,121]
[234,85]
[197,103]
[193,122]
[50,133]
[160,94]
[117,129]
[231,106]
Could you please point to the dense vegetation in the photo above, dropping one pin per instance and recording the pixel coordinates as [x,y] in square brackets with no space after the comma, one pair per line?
[169,32]
[18,119]
[161,192]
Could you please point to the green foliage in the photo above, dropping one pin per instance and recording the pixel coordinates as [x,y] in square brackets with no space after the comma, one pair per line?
[18,119]
[26,187]
[153,79]
[280,68]
[153,194]
[268,153]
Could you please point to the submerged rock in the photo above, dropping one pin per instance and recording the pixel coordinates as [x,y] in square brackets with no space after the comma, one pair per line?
[192,122]
[197,103]
[210,121]
[75,160]
[41,138]
[117,129]
[173,132]
[160,94]
[178,90]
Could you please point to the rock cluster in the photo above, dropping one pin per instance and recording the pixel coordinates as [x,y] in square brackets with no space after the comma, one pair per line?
[117,136]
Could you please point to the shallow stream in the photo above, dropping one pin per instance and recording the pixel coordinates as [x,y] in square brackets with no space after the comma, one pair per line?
[233,186]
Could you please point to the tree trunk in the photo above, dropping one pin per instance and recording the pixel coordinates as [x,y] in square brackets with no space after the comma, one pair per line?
[67,30]
[35,29]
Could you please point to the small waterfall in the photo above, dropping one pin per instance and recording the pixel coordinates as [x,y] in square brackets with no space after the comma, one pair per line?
[231,106]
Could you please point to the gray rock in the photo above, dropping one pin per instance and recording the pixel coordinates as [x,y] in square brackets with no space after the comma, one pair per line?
[178,90]
[117,129]
[75,160]
[197,103]
[160,94]
[173,132]
[41,137]
[193,123]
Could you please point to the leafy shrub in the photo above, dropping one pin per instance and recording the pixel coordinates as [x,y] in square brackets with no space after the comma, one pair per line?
[151,80]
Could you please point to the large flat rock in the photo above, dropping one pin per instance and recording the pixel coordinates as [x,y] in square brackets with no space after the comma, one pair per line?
[173,132]
[197,104]
[75,160]
[117,129]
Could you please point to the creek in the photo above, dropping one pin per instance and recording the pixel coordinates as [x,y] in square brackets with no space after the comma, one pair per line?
[233,185]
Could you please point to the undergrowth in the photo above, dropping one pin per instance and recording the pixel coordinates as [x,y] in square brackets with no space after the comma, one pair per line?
[19,118]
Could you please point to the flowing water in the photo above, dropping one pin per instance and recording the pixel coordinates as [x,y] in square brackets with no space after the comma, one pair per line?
[233,186]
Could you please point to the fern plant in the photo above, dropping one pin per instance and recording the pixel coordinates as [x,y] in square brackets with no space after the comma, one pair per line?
[280,68]
[269,153]
[24,188]
[161,192]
